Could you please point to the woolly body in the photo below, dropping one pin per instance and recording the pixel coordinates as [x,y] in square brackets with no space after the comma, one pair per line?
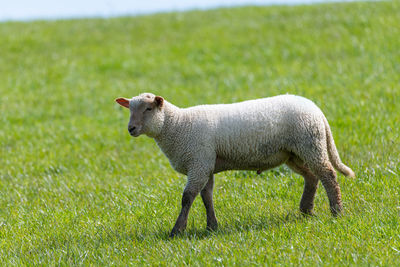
[251,135]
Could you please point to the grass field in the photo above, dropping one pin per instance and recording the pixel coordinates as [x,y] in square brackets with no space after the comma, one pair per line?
[76,189]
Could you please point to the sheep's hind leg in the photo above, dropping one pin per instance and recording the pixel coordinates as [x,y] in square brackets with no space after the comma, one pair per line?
[310,185]
[207,196]
[327,174]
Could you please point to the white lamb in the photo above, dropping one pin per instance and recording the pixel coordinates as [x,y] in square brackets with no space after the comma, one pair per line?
[251,135]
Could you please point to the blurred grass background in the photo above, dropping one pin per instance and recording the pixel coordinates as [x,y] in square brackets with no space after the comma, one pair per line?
[76,189]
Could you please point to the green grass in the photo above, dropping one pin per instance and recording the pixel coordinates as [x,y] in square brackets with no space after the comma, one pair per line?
[76,189]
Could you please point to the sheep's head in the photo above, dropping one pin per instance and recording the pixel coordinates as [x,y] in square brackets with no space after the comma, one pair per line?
[147,114]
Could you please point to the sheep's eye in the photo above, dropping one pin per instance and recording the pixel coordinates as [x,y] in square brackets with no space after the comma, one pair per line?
[148,109]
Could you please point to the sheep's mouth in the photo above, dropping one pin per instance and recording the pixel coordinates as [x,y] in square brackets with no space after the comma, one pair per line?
[134,134]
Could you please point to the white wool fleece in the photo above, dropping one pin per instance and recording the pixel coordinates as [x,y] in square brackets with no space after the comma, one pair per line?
[251,135]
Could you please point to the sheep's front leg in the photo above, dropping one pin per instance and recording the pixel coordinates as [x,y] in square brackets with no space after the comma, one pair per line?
[207,196]
[187,201]
[192,189]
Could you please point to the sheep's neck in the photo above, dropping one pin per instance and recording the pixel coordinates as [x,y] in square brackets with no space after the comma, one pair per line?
[174,127]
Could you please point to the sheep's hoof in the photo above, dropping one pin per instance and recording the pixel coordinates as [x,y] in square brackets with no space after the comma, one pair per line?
[307,212]
[336,210]
[175,232]
[172,235]
[212,227]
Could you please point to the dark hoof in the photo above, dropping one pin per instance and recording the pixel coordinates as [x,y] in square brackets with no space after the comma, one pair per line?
[175,232]
[307,212]
[212,227]
[308,215]
[336,210]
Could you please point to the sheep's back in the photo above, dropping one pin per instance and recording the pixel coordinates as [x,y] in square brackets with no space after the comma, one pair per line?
[252,129]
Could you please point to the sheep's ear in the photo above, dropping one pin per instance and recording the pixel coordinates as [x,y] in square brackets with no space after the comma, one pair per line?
[159,101]
[123,101]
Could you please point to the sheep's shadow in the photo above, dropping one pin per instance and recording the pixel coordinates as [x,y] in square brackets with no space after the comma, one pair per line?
[264,222]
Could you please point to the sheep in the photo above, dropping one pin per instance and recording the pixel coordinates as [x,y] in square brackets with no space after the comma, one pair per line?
[254,135]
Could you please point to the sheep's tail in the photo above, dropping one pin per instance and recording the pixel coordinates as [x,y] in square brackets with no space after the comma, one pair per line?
[334,155]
